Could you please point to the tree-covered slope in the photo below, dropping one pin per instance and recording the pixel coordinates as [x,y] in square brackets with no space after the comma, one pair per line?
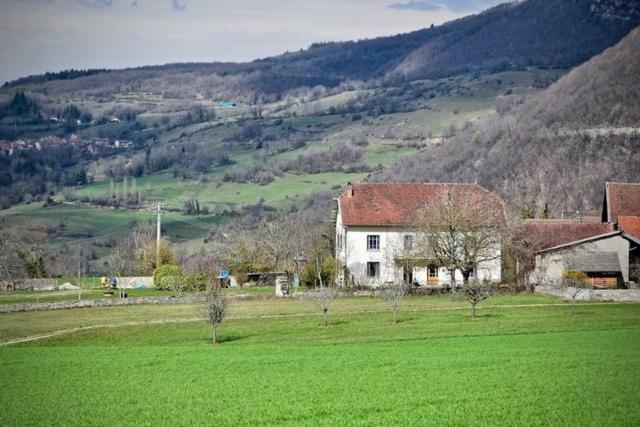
[557,148]
[543,33]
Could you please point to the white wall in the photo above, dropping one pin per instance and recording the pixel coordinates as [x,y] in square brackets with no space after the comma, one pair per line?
[354,254]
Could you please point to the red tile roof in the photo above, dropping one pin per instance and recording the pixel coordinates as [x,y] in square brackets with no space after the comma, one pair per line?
[398,204]
[630,224]
[547,233]
[622,198]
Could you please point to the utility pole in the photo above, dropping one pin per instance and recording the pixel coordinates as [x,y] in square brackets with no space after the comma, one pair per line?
[158,238]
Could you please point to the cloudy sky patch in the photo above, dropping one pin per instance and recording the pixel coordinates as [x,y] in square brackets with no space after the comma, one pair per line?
[51,35]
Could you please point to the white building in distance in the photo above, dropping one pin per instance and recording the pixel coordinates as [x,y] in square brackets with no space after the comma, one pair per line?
[378,241]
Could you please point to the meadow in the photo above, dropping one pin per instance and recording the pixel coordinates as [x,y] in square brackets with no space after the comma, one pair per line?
[523,361]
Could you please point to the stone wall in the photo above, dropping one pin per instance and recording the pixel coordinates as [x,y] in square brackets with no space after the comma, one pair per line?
[111,302]
[31,284]
[618,295]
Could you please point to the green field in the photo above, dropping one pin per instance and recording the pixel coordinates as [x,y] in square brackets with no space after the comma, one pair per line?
[523,361]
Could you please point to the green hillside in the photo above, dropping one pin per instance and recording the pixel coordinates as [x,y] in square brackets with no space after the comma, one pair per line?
[278,166]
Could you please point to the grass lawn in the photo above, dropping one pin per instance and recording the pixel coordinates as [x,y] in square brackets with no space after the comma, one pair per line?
[523,361]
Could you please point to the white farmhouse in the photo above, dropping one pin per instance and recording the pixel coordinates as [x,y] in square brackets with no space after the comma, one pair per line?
[376,234]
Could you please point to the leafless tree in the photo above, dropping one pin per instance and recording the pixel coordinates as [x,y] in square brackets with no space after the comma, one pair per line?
[216,305]
[476,291]
[393,293]
[80,270]
[572,284]
[520,244]
[136,252]
[402,256]
[324,296]
[460,230]
[119,261]
[274,239]
[10,266]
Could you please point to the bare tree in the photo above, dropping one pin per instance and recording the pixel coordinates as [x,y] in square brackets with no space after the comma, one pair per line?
[460,230]
[476,291]
[10,265]
[572,284]
[402,257]
[80,270]
[324,296]
[31,250]
[393,294]
[274,240]
[136,252]
[216,305]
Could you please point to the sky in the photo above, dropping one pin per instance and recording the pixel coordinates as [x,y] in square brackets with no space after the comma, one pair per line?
[52,35]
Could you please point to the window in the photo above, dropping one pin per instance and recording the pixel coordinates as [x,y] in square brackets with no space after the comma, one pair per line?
[433,272]
[339,241]
[373,242]
[373,269]
[408,242]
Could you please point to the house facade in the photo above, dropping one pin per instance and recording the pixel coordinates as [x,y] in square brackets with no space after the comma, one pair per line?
[378,242]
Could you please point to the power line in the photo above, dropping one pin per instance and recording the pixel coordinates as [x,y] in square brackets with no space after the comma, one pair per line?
[192,220]
[194,223]
[113,230]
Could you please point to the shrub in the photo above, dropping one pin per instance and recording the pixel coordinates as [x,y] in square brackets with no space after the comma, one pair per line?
[165,277]
[195,282]
[575,277]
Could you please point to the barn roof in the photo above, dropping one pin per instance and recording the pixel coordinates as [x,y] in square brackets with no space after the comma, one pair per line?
[633,240]
[546,233]
[399,204]
[592,262]
[621,198]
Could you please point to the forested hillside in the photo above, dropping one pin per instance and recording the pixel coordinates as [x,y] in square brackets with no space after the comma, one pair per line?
[557,148]
[542,33]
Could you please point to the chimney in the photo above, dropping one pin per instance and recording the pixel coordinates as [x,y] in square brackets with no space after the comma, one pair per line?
[349,189]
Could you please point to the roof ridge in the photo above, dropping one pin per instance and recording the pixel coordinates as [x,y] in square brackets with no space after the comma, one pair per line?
[419,183]
[586,239]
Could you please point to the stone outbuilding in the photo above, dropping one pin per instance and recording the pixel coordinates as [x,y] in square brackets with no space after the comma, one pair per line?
[605,258]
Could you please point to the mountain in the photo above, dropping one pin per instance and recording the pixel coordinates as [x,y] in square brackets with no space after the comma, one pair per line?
[541,33]
[558,147]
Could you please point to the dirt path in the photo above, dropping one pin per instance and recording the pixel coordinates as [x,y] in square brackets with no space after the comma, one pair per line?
[265,316]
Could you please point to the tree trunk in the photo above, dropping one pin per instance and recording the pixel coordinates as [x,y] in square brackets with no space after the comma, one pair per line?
[473,311]
[325,313]
[215,333]
[395,319]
